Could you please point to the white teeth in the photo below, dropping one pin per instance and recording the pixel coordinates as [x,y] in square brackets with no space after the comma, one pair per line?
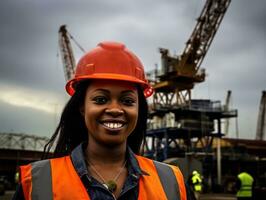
[113,125]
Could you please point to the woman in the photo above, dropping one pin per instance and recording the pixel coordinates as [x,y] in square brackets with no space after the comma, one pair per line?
[99,137]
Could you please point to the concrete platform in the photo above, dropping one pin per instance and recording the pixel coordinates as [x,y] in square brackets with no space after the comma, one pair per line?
[215,196]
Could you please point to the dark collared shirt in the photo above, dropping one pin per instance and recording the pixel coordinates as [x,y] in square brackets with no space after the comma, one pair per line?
[96,190]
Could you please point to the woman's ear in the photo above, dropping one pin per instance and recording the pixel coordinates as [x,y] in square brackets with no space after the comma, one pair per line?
[81,110]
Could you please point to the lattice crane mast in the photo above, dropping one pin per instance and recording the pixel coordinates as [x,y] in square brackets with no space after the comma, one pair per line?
[180,73]
[66,51]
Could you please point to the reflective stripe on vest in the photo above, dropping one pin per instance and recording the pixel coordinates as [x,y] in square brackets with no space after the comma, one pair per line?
[168,180]
[196,180]
[65,182]
[246,185]
[41,180]
[57,179]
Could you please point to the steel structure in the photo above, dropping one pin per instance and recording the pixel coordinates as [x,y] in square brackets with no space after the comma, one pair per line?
[18,149]
[19,141]
[179,131]
[181,128]
[176,122]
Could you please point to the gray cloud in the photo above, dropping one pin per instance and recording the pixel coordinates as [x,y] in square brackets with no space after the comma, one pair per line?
[28,47]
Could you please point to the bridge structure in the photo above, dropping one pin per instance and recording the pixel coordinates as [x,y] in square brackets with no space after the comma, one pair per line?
[19,149]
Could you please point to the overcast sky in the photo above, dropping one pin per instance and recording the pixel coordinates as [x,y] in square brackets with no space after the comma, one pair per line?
[31,72]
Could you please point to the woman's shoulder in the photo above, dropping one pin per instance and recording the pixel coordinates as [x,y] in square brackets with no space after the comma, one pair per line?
[151,166]
[150,163]
[41,167]
[44,162]
[142,158]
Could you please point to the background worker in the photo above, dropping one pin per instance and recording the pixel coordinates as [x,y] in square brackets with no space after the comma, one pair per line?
[244,185]
[99,137]
[195,182]
[16,177]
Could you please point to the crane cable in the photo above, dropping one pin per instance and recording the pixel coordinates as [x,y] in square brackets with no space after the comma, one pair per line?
[80,47]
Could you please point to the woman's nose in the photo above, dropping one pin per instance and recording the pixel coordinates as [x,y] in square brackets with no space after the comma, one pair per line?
[114,109]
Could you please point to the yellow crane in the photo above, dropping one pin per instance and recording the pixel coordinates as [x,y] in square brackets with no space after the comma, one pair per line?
[180,73]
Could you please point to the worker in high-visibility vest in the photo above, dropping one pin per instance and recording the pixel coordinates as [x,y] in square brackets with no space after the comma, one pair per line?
[99,137]
[245,186]
[195,182]
[16,178]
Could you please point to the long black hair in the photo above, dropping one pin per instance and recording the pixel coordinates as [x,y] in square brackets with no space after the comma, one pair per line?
[71,130]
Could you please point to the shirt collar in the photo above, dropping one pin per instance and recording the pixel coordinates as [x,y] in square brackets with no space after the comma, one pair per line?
[134,163]
[78,160]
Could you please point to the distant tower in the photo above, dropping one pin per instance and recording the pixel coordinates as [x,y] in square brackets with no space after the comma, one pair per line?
[226,108]
[261,124]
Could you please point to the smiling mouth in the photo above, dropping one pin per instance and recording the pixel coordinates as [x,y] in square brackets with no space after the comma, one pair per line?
[113,125]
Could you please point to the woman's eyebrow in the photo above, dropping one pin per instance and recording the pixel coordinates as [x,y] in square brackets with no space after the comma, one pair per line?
[102,90]
[128,91]
[108,92]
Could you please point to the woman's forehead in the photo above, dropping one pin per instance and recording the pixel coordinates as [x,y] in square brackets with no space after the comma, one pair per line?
[112,84]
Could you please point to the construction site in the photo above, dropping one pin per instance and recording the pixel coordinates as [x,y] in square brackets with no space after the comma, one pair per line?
[183,131]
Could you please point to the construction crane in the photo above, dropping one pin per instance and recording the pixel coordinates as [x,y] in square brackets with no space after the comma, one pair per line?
[180,73]
[261,124]
[66,51]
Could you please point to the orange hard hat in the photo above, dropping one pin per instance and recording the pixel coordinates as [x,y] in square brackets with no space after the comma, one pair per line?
[113,61]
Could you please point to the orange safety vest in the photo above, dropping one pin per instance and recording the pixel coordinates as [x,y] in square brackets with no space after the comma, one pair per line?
[57,179]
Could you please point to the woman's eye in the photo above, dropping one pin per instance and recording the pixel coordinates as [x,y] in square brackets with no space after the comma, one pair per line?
[100,100]
[128,101]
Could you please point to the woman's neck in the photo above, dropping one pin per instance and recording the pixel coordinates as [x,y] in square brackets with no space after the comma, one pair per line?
[100,154]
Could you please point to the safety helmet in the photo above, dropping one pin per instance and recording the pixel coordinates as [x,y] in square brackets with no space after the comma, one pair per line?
[113,61]
[195,172]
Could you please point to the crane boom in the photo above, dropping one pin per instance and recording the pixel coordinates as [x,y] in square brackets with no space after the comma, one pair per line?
[204,32]
[180,73]
[66,53]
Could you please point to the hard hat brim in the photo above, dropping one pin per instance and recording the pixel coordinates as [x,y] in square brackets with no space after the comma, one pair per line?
[70,86]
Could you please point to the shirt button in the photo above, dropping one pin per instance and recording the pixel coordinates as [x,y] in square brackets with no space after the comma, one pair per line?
[135,176]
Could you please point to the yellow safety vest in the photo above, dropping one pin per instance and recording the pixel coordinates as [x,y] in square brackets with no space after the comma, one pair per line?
[196,180]
[246,185]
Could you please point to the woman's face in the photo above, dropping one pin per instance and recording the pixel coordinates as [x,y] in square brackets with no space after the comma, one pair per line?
[110,111]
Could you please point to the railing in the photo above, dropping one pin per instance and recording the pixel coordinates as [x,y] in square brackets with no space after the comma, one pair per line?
[22,141]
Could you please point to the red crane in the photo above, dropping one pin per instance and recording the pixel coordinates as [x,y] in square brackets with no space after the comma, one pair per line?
[66,51]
